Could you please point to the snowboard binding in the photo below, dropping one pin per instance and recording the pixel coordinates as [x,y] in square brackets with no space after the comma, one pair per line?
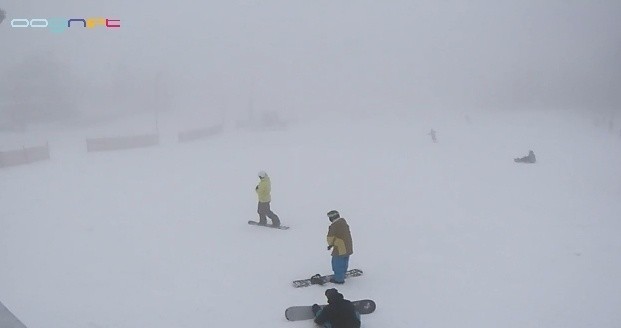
[317,280]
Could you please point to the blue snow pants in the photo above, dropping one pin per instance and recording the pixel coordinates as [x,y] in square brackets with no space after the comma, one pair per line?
[339,266]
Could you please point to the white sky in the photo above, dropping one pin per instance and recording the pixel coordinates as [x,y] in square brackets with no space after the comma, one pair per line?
[308,56]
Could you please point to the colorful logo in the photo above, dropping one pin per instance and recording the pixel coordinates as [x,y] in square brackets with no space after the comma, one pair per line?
[59,25]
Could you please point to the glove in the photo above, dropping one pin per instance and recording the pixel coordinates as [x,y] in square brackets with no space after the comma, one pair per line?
[330,247]
[316,308]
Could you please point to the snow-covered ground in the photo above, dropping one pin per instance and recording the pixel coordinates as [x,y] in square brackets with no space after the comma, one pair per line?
[453,234]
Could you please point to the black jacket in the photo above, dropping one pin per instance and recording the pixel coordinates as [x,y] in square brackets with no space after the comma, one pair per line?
[340,312]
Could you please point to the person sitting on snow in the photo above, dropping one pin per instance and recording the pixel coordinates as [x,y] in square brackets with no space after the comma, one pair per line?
[339,313]
[527,159]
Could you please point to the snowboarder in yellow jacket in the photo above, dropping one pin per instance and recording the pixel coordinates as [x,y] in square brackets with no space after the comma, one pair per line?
[264,189]
[340,242]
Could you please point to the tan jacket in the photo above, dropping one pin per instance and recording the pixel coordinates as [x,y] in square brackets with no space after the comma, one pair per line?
[339,237]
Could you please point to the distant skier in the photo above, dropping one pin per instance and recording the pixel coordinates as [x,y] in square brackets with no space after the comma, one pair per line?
[340,241]
[2,15]
[339,313]
[433,135]
[527,159]
[264,189]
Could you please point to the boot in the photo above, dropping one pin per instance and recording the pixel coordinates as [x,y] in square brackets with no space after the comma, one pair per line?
[336,282]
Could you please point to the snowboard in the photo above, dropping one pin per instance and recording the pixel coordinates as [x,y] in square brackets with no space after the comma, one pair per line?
[296,313]
[326,279]
[8,320]
[281,227]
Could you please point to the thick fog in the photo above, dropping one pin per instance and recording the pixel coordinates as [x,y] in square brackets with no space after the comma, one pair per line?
[304,58]
[453,225]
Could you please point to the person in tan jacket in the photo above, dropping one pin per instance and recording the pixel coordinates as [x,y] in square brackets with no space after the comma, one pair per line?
[264,189]
[340,242]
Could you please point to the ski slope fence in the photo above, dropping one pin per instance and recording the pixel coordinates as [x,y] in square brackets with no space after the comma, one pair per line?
[118,143]
[23,156]
[196,134]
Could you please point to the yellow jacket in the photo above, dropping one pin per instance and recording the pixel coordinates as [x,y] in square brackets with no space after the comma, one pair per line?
[264,189]
[339,237]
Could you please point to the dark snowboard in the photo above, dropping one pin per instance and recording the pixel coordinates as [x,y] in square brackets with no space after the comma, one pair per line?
[325,279]
[281,227]
[296,313]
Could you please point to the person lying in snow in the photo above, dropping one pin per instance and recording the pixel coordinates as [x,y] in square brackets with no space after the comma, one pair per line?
[527,159]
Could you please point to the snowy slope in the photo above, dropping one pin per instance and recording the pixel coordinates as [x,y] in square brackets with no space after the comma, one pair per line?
[452,234]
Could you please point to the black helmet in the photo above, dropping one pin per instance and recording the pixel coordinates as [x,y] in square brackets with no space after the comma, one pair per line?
[333,294]
[333,215]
